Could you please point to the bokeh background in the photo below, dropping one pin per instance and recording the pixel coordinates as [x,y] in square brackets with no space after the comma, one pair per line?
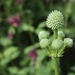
[20,23]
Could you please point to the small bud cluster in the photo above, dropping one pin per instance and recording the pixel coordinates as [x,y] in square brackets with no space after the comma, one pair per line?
[44,42]
[56,46]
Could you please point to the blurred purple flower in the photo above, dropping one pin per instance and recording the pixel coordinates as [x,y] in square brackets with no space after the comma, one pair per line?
[33,54]
[14,20]
[19,1]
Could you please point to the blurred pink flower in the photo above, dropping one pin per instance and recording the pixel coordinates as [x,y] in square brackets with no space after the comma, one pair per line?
[19,1]
[33,54]
[14,20]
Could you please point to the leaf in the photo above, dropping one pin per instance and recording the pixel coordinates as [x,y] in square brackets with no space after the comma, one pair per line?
[27,27]
[44,70]
[41,56]
[71,73]
[73,68]
[24,71]
[12,30]
[11,52]
[13,70]
[27,49]
[5,41]
[4,61]
[42,25]
[38,30]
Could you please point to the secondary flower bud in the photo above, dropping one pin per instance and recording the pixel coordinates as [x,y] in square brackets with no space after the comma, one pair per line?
[55,20]
[57,44]
[61,35]
[44,43]
[68,42]
[43,34]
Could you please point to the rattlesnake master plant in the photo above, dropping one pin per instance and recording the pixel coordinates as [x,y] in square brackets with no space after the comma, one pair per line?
[55,20]
[55,47]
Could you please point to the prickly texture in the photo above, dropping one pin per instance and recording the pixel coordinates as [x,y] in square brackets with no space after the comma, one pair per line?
[68,42]
[44,43]
[57,44]
[43,34]
[55,20]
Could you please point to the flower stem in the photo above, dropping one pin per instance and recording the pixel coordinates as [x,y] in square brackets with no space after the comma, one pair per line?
[56,67]
[62,50]
[55,33]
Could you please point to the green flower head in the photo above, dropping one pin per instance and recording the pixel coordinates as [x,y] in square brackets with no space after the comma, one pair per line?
[57,44]
[44,43]
[68,42]
[61,34]
[55,20]
[43,34]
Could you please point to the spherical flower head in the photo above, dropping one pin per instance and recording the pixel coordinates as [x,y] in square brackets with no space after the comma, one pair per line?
[44,43]
[61,34]
[43,34]
[57,44]
[68,42]
[55,20]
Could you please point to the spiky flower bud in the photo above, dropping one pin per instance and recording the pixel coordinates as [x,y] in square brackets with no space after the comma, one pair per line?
[57,44]
[55,20]
[68,42]
[43,34]
[44,43]
[61,35]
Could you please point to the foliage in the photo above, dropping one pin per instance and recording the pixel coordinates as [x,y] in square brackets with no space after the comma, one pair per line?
[18,36]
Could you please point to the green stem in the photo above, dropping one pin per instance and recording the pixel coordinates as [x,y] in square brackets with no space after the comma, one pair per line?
[55,33]
[56,67]
[62,50]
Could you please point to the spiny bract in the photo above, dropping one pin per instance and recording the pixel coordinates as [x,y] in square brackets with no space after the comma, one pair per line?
[55,20]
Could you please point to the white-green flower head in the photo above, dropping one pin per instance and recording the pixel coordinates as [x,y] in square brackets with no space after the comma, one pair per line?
[61,34]
[57,44]
[43,34]
[68,42]
[55,20]
[44,43]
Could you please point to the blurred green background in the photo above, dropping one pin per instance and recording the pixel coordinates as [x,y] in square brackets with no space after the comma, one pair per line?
[20,23]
